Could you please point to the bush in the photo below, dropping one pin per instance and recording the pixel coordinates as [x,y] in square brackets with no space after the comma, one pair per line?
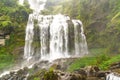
[50,75]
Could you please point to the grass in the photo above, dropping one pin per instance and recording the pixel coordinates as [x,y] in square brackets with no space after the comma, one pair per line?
[102,60]
[106,64]
[6,60]
[82,62]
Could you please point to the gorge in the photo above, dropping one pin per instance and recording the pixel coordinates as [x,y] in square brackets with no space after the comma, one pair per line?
[54,41]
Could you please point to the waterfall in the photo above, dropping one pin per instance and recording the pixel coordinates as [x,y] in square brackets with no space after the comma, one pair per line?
[112,76]
[51,37]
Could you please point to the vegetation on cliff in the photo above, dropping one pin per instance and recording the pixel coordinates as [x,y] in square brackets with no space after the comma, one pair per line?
[13,19]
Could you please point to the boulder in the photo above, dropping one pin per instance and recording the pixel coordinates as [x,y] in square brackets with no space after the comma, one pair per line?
[102,74]
[95,78]
[115,65]
[69,76]
[56,66]
[91,70]
[81,71]
[77,77]
[63,64]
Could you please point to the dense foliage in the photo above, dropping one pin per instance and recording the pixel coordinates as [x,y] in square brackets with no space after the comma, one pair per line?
[12,14]
[13,19]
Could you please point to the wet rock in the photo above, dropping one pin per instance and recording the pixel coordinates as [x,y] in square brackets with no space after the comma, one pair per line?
[16,75]
[69,76]
[22,72]
[91,70]
[43,64]
[81,71]
[94,78]
[77,77]
[56,66]
[12,73]
[35,67]
[62,64]
[92,73]
[115,65]
[38,74]
[102,73]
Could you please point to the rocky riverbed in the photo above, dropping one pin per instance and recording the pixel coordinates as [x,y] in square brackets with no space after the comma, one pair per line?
[56,70]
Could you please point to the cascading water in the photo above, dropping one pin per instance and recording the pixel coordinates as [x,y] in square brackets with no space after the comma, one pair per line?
[112,76]
[53,36]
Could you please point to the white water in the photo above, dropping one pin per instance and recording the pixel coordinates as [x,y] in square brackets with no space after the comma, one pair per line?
[112,76]
[37,5]
[58,37]
[80,44]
